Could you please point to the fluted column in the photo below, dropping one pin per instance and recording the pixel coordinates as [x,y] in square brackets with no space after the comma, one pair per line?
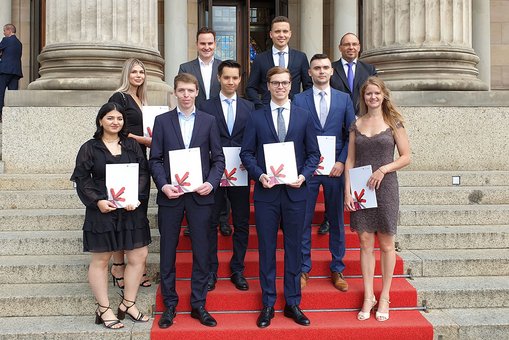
[421,44]
[345,14]
[5,13]
[175,37]
[311,31]
[87,42]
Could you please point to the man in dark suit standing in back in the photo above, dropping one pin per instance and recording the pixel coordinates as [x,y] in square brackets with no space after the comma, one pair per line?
[280,121]
[331,110]
[349,72]
[182,128]
[10,62]
[231,113]
[279,55]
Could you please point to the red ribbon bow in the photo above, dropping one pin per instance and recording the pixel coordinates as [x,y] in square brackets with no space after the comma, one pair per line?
[277,174]
[359,197]
[227,181]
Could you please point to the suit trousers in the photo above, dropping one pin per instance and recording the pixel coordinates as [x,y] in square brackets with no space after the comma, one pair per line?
[169,220]
[268,217]
[239,200]
[333,195]
[7,81]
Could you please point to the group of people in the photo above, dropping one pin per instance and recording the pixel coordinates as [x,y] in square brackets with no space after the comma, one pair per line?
[211,115]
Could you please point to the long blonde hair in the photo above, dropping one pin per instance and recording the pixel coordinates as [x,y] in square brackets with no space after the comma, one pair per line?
[391,114]
[124,79]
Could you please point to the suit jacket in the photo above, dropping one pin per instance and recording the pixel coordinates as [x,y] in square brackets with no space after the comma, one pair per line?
[167,136]
[340,117]
[260,130]
[257,84]
[193,67]
[244,109]
[10,60]
[340,82]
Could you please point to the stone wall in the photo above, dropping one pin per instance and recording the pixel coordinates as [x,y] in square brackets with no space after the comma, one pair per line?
[500,44]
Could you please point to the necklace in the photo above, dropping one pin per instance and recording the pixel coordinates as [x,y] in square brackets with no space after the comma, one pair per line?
[111,141]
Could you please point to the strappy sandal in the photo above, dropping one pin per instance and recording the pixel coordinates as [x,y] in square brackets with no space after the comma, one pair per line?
[361,316]
[145,283]
[117,279]
[122,313]
[383,316]
[106,323]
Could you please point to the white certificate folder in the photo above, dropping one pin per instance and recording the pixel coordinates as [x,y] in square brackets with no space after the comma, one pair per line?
[233,174]
[149,115]
[327,146]
[122,184]
[185,169]
[280,162]
[363,197]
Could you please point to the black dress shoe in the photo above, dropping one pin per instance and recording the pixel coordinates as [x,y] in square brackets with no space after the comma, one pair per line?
[211,284]
[187,232]
[239,281]
[225,229]
[166,319]
[295,313]
[265,316]
[205,318]
[324,228]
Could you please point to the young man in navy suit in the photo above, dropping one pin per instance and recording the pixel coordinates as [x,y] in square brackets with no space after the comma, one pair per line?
[332,113]
[279,55]
[183,128]
[10,62]
[280,121]
[231,113]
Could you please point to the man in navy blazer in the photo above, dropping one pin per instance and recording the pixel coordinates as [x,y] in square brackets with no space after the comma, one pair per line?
[183,128]
[279,55]
[10,62]
[333,113]
[350,47]
[204,68]
[231,113]
[274,204]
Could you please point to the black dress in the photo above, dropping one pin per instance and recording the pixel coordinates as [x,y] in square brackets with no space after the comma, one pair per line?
[119,229]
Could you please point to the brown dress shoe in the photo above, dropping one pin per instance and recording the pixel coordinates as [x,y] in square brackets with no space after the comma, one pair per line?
[338,281]
[304,277]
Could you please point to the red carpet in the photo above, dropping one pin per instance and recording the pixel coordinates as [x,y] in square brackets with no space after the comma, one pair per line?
[329,310]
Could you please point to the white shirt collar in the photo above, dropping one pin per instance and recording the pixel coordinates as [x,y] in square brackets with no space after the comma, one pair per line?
[276,51]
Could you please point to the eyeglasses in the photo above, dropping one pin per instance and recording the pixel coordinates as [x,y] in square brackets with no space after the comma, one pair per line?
[285,84]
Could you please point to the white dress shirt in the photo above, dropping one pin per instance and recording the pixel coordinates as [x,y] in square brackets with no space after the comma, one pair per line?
[317,98]
[206,74]
[286,113]
[275,55]
[186,125]
[224,105]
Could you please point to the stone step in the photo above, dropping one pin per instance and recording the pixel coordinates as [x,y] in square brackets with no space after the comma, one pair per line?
[451,215]
[453,237]
[35,182]
[469,323]
[456,262]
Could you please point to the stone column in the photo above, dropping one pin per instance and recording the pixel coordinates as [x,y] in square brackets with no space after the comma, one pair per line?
[481,38]
[421,44]
[175,37]
[5,13]
[346,20]
[311,30]
[88,41]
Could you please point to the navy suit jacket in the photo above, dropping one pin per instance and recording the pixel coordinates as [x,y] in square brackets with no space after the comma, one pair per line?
[167,136]
[10,60]
[257,84]
[260,130]
[244,109]
[340,82]
[193,67]
[340,117]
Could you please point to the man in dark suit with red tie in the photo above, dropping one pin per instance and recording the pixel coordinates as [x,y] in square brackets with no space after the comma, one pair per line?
[10,62]
[279,55]
[280,121]
[183,128]
[231,113]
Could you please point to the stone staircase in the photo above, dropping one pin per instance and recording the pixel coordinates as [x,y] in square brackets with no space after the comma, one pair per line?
[454,240]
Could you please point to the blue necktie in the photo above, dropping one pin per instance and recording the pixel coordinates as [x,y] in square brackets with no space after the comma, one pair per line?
[281,59]
[281,129]
[230,120]
[323,108]
[350,76]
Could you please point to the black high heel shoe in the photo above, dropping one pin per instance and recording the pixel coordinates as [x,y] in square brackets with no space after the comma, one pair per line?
[122,313]
[146,283]
[117,279]
[106,323]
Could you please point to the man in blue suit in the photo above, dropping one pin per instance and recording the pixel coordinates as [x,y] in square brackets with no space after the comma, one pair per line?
[231,113]
[183,128]
[10,62]
[280,121]
[279,55]
[333,113]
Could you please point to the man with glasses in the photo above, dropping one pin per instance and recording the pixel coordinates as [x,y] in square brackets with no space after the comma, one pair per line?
[275,204]
[279,55]
[349,72]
